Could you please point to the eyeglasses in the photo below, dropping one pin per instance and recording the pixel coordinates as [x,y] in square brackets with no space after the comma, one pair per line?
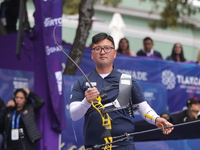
[98,49]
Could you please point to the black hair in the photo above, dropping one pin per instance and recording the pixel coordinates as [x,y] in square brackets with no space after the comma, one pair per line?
[147,38]
[24,93]
[20,90]
[173,54]
[119,50]
[101,36]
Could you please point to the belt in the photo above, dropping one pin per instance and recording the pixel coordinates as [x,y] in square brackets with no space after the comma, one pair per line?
[100,148]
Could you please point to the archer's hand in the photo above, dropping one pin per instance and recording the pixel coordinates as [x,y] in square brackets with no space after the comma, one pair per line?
[161,122]
[91,94]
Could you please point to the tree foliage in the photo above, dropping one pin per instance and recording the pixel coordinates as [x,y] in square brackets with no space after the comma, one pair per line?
[173,14]
[71,7]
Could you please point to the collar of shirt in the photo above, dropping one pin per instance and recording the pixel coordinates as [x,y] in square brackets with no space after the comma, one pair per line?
[150,53]
[104,75]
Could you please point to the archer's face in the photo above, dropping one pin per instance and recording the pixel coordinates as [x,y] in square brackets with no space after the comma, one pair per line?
[103,59]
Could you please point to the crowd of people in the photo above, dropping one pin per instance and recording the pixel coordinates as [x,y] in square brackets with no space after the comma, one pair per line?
[177,53]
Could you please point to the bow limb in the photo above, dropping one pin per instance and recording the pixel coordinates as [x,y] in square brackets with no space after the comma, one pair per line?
[106,122]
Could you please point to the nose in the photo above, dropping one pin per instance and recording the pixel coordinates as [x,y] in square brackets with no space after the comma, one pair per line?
[102,50]
[17,99]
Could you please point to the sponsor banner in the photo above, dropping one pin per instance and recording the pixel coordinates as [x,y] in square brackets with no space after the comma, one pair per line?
[52,17]
[10,80]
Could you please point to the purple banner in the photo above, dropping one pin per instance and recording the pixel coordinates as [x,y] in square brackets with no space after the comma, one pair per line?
[52,16]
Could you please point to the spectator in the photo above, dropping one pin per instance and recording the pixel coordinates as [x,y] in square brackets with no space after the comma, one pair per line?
[167,115]
[20,129]
[177,53]
[198,57]
[124,48]
[191,113]
[148,49]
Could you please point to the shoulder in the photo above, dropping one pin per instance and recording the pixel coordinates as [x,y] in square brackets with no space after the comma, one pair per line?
[115,71]
[156,53]
[140,52]
[82,81]
[169,58]
[9,111]
[114,75]
[83,78]
[178,117]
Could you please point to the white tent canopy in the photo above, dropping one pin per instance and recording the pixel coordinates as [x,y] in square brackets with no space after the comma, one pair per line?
[116,26]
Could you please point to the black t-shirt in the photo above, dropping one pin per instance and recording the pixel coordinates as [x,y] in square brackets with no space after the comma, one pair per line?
[121,120]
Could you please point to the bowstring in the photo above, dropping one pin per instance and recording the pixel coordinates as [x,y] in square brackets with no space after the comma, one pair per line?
[54,30]
[55,41]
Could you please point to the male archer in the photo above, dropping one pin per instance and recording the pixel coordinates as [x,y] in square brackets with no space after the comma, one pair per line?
[103,54]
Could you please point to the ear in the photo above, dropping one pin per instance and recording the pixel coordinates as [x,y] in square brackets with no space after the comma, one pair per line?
[91,56]
[115,54]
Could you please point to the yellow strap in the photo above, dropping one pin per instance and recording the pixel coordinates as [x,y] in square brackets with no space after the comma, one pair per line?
[106,121]
[148,116]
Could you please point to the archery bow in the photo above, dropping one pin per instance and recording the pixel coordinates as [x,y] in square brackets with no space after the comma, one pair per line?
[106,121]
[127,135]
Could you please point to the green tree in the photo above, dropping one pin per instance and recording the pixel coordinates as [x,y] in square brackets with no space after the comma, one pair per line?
[86,12]
[173,13]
